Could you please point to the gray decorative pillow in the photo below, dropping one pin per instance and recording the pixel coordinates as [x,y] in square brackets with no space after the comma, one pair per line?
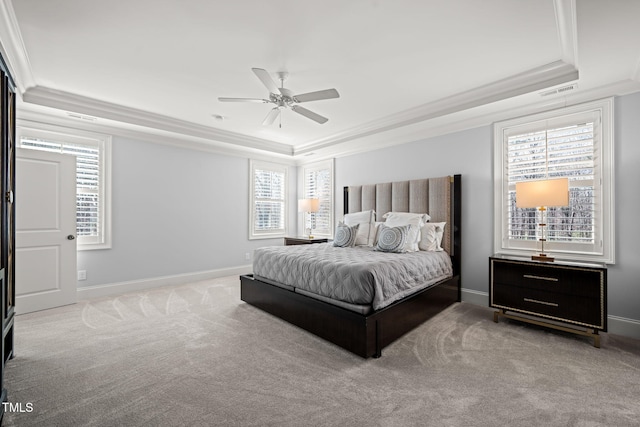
[345,235]
[392,239]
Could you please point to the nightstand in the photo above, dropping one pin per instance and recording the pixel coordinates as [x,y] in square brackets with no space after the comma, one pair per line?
[289,241]
[559,292]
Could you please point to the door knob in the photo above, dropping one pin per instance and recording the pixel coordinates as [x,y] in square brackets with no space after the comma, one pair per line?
[71,237]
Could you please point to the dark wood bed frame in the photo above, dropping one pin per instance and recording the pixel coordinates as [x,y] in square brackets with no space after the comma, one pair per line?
[364,335]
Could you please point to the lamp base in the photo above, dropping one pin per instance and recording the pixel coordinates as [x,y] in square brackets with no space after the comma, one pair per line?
[542,257]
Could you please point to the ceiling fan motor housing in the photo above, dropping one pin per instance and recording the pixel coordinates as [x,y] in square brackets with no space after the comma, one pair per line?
[284,98]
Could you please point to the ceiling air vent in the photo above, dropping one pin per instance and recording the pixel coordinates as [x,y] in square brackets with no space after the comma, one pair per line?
[81,116]
[560,90]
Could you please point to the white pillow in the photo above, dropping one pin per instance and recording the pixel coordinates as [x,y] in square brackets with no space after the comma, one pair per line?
[376,231]
[431,236]
[416,221]
[407,215]
[366,230]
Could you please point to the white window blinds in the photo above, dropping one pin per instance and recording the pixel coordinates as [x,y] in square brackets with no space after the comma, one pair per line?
[576,146]
[318,184]
[91,194]
[268,200]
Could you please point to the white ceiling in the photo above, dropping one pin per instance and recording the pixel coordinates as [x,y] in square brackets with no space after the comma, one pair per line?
[403,68]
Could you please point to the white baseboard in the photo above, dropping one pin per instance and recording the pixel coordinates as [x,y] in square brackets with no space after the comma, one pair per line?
[623,326]
[156,282]
[615,324]
[475,297]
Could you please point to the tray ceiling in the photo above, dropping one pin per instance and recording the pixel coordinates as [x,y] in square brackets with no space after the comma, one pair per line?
[401,67]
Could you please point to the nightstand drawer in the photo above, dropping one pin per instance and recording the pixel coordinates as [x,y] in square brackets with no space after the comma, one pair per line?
[549,278]
[581,310]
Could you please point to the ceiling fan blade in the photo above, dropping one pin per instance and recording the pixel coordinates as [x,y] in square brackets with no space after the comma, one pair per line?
[316,96]
[271,117]
[309,114]
[266,80]
[261,101]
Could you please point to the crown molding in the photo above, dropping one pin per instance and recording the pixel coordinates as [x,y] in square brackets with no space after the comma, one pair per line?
[13,48]
[417,132]
[567,22]
[538,78]
[425,130]
[75,103]
[542,77]
[54,122]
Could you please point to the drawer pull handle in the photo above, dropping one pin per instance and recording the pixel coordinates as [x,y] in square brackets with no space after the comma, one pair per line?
[553,304]
[531,276]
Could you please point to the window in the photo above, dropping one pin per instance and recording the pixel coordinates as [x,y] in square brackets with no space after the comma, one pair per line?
[92,154]
[268,217]
[576,143]
[318,184]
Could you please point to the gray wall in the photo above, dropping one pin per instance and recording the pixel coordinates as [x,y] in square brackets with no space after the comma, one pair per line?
[178,211]
[470,153]
[175,211]
[624,276]
[473,154]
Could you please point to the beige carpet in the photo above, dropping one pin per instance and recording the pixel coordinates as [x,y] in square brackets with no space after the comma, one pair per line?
[195,355]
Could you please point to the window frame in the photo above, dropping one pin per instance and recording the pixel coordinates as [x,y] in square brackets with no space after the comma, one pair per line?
[312,167]
[604,250]
[88,139]
[274,167]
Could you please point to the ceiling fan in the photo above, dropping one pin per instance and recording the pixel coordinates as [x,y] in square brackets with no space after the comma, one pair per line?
[284,98]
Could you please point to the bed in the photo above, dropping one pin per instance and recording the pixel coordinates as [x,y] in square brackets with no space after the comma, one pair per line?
[362,327]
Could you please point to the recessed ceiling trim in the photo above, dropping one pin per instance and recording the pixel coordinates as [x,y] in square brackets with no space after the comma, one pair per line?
[538,78]
[53,122]
[70,102]
[424,130]
[566,21]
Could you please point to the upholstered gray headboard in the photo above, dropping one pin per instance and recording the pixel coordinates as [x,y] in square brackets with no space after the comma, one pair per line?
[439,197]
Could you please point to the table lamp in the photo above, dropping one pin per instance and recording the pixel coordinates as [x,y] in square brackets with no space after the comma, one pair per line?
[309,206]
[542,194]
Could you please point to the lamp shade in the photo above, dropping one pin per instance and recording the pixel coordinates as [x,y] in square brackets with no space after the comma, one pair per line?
[548,192]
[308,205]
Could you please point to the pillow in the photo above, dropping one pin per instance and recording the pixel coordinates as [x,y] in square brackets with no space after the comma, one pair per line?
[416,221]
[431,236]
[392,239]
[345,235]
[407,215]
[365,232]
[359,217]
[376,230]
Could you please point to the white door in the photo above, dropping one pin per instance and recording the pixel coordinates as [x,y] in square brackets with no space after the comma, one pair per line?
[45,197]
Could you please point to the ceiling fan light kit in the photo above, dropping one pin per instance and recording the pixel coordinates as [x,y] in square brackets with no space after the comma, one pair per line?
[282,97]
